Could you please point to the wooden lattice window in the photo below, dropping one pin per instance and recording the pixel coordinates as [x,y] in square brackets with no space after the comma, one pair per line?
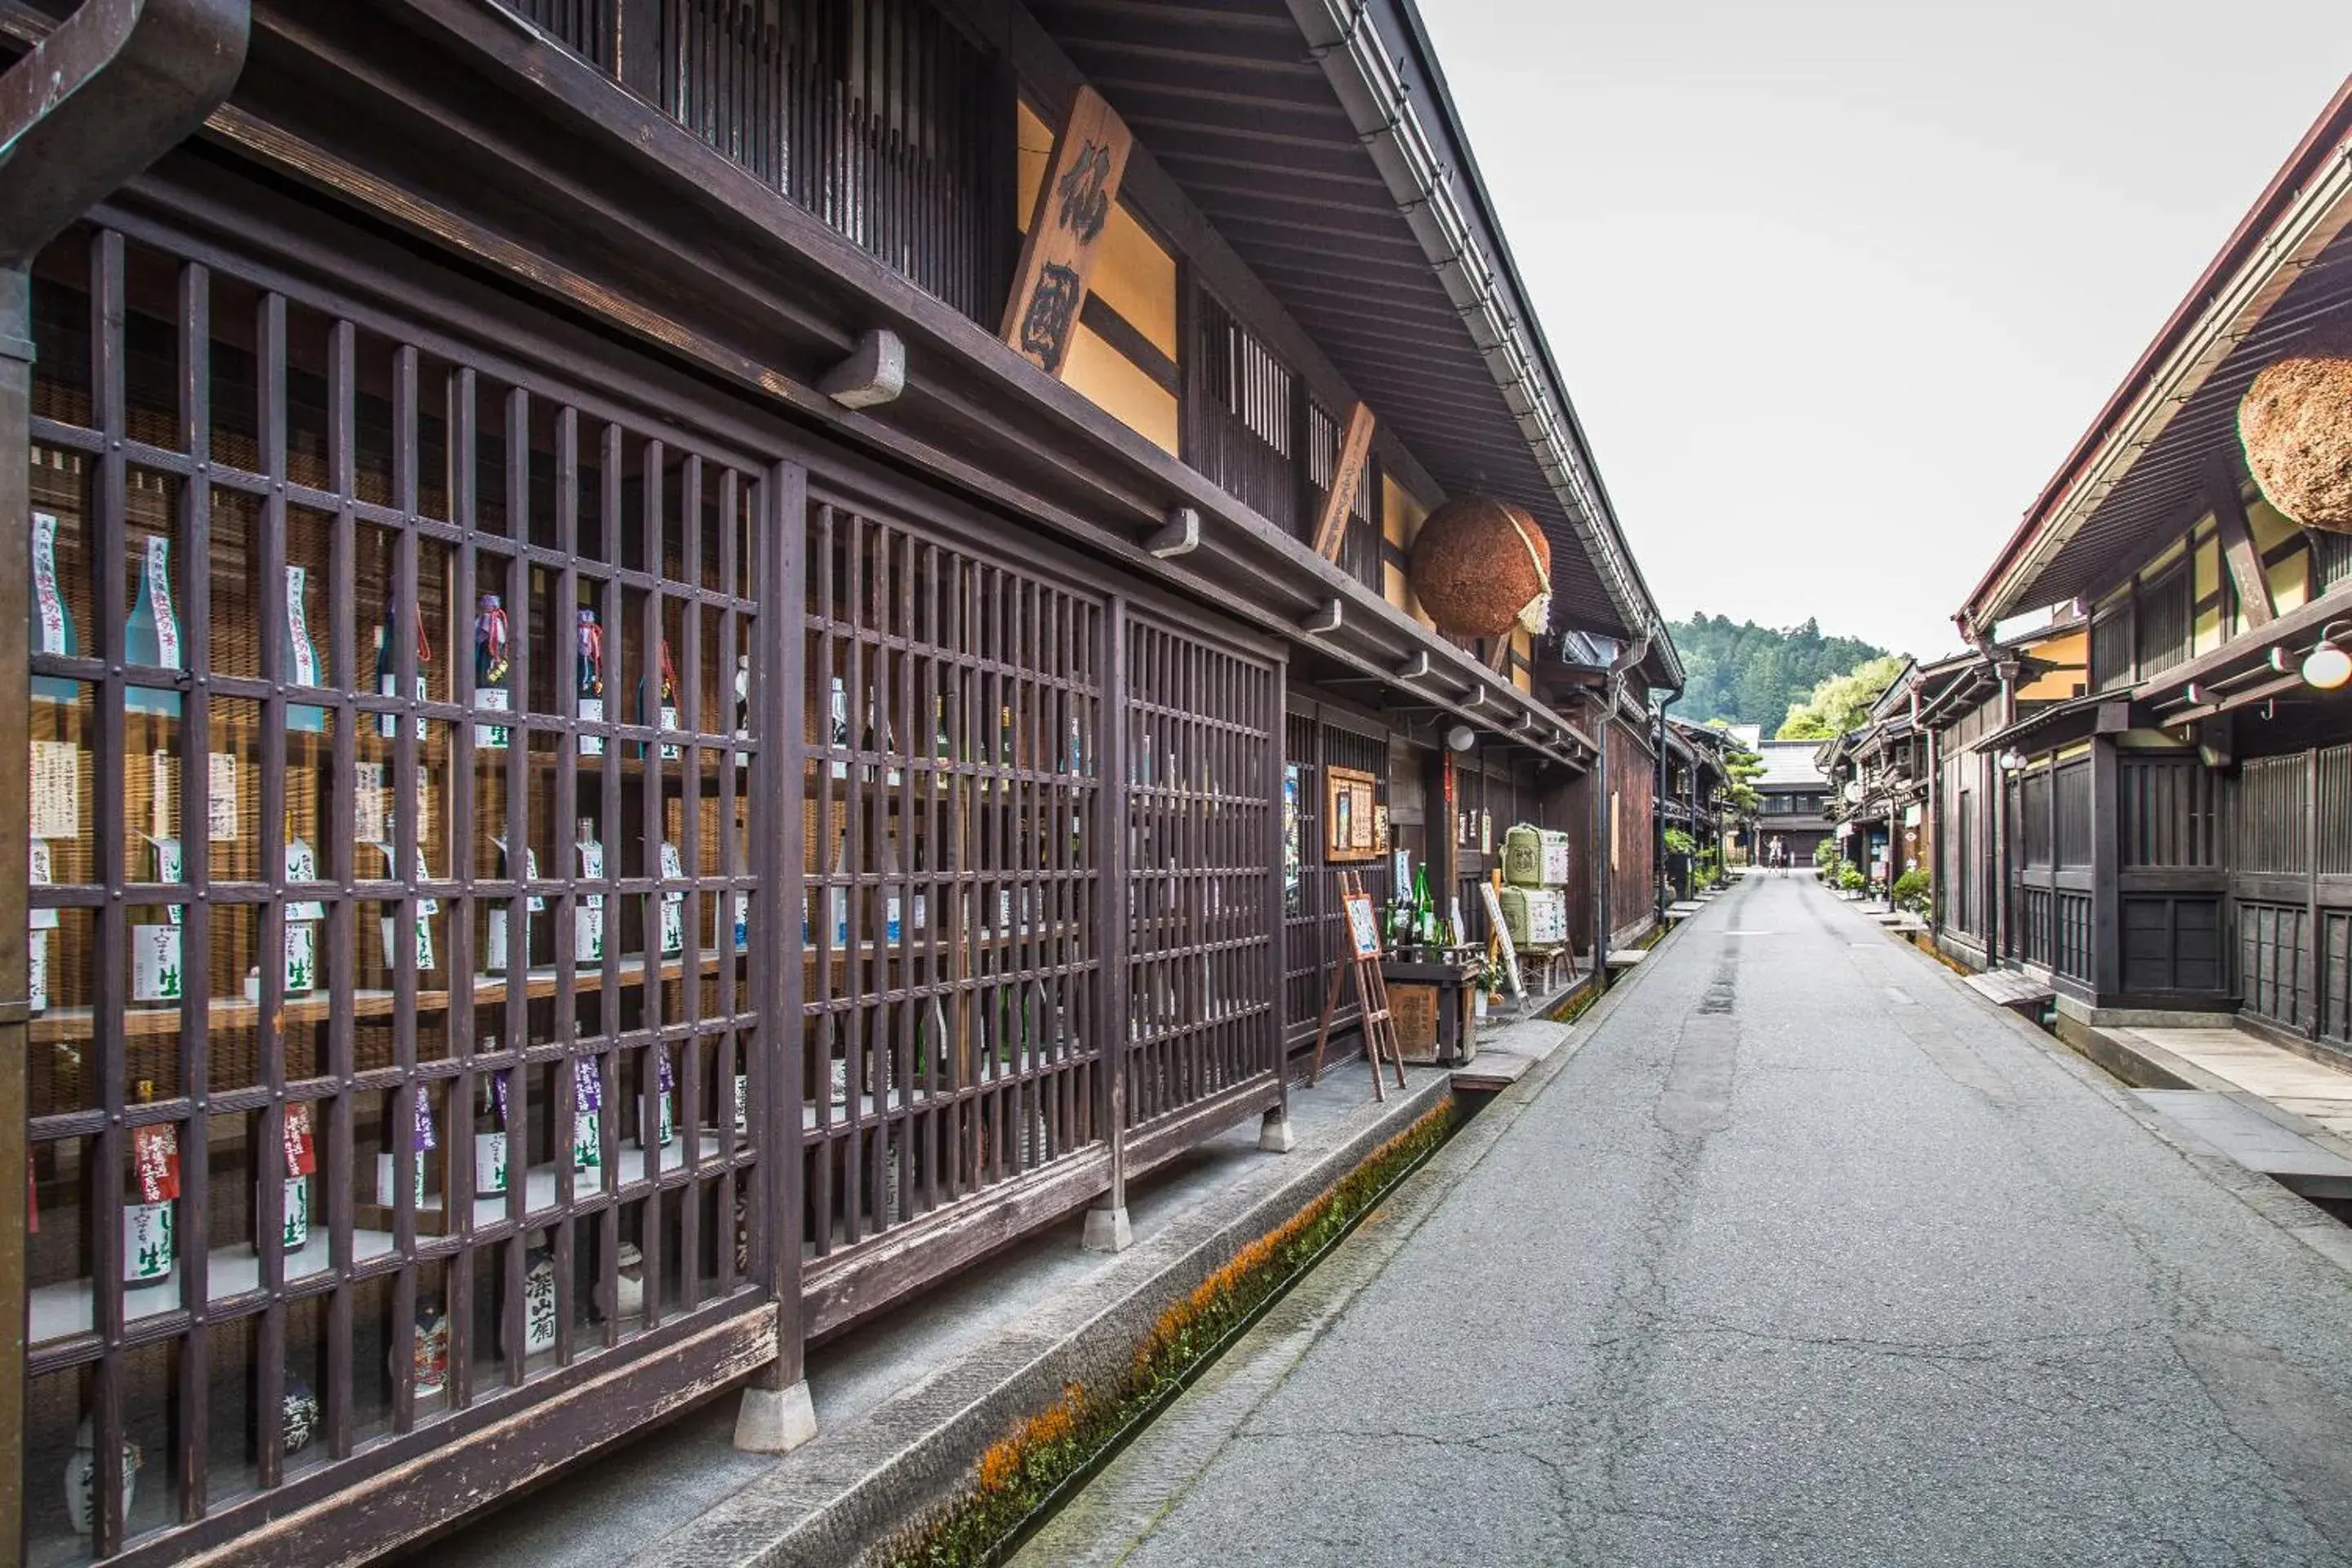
[393,1052]
[1204,751]
[950,934]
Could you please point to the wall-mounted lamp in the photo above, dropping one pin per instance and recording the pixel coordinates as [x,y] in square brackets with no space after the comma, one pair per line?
[2327,665]
[1461,738]
[2011,759]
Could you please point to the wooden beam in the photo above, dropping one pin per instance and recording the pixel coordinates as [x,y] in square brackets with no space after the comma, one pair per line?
[1347,475]
[2238,550]
[1066,227]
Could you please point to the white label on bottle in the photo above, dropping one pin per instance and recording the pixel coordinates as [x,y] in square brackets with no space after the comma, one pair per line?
[424,949]
[489,1164]
[296,1233]
[672,867]
[56,790]
[36,965]
[220,824]
[163,794]
[494,946]
[387,685]
[155,964]
[490,737]
[159,602]
[302,866]
[39,875]
[673,929]
[591,712]
[147,1249]
[369,824]
[670,753]
[298,629]
[50,604]
[301,958]
[588,934]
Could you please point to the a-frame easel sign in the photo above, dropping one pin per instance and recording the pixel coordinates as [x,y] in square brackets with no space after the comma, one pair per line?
[1362,960]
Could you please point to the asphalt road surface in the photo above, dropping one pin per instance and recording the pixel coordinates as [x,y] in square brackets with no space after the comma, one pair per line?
[1805,1256]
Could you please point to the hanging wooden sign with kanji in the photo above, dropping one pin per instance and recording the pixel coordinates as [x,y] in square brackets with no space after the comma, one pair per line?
[1066,227]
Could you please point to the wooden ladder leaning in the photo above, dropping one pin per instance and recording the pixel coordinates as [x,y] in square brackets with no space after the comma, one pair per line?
[1360,929]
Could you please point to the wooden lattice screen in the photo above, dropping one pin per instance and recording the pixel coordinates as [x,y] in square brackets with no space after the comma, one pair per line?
[949,937]
[1204,751]
[305,1031]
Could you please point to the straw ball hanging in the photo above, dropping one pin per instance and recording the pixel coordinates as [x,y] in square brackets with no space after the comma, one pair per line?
[2295,423]
[1481,566]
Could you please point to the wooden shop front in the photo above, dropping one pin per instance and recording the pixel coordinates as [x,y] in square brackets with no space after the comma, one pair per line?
[570,864]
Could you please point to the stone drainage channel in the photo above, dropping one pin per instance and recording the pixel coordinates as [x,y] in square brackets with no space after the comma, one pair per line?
[1460,1108]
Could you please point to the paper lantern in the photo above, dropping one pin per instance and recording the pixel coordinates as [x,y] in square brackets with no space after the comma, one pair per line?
[2296,424]
[1480,566]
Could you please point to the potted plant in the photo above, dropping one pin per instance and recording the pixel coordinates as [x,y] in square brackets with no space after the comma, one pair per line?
[1488,990]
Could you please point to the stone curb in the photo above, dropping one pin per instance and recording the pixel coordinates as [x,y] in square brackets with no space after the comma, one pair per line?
[2305,1221]
[834,1500]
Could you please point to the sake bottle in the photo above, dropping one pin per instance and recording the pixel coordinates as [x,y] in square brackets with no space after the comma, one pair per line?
[150,632]
[493,660]
[588,669]
[52,618]
[300,666]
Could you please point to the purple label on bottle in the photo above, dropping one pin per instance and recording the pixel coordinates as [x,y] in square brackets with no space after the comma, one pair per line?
[424,1138]
[662,1080]
[587,1085]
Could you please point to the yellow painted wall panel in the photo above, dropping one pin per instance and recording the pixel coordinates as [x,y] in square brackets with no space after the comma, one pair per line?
[2270,526]
[1401,520]
[2071,653]
[2291,581]
[1112,383]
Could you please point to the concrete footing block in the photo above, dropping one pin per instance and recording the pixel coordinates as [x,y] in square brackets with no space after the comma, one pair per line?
[774,1420]
[1107,1230]
[1273,1134]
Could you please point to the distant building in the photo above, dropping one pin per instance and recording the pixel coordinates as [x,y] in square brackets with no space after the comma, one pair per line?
[1795,795]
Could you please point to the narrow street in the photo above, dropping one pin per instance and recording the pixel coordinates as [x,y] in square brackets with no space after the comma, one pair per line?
[1805,1256]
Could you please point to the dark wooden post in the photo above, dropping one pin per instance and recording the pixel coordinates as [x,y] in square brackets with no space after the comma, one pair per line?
[1603,862]
[15,826]
[2106,844]
[1107,1228]
[1274,1135]
[2310,957]
[776,1414]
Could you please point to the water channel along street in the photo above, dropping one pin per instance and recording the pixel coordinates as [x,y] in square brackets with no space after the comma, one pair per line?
[1804,1254]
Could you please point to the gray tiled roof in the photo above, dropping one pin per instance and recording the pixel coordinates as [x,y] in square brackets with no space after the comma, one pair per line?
[1788,764]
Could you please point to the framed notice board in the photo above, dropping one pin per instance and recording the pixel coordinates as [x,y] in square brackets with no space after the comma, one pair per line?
[1350,828]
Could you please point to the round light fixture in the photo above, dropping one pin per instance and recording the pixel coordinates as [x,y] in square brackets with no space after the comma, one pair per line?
[2012,760]
[2327,665]
[1461,738]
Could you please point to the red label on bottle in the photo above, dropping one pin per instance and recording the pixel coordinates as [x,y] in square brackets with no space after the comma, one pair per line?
[155,1162]
[301,1145]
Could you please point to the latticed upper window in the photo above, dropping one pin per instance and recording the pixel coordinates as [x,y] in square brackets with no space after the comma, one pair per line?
[881,117]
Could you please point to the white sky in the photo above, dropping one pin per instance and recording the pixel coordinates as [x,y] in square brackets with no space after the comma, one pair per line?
[1836,286]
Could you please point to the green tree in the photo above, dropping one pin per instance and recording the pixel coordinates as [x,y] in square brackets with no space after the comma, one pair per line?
[1841,702]
[1739,671]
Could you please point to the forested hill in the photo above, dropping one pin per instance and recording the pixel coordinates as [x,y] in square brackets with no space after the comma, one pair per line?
[1748,673]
